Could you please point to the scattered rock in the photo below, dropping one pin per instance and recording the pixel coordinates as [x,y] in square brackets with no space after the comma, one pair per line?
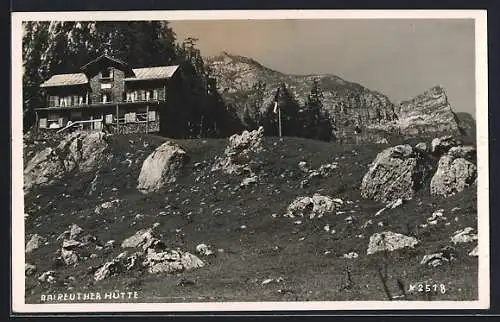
[422,147]
[313,207]
[396,172]
[36,241]
[465,235]
[48,277]
[434,260]
[171,261]
[440,146]
[75,231]
[446,255]
[437,217]
[394,204]
[107,205]
[69,257]
[367,224]
[204,250]
[389,241]
[272,280]
[303,166]
[474,252]
[454,172]
[351,255]
[323,171]
[29,269]
[162,167]
[248,181]
[108,269]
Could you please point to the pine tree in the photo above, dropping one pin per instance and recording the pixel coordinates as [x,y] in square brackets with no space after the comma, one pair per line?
[315,120]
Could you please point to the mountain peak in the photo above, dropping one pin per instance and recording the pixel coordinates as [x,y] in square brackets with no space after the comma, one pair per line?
[227,57]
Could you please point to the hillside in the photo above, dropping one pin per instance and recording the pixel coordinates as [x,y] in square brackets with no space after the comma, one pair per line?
[349,104]
[260,255]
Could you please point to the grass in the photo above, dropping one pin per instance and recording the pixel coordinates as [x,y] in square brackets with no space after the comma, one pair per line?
[309,259]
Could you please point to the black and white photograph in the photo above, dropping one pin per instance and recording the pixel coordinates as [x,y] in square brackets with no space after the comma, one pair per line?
[249,160]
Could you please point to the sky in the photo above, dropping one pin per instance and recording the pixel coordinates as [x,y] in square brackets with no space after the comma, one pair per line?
[399,57]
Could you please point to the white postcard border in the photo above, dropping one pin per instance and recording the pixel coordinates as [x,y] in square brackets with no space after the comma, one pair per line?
[18,258]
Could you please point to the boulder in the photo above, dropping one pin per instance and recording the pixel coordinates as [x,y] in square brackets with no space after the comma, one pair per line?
[240,153]
[82,151]
[86,151]
[162,167]
[455,172]
[245,143]
[43,169]
[396,172]
[465,152]
[313,207]
[441,145]
[389,241]
[36,241]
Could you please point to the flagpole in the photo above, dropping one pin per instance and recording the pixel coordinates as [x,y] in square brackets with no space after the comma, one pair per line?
[279,120]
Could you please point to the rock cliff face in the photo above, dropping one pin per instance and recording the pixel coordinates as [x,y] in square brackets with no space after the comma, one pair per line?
[427,114]
[349,104]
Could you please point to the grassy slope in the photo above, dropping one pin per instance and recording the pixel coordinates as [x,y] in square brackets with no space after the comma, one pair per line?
[250,255]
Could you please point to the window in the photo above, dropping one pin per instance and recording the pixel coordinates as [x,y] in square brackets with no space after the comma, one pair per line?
[53,101]
[43,123]
[107,73]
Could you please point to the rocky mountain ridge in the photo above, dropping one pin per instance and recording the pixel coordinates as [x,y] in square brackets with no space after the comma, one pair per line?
[348,104]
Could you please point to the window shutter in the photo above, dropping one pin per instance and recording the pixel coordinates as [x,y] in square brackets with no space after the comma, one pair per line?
[132,117]
[43,123]
[109,118]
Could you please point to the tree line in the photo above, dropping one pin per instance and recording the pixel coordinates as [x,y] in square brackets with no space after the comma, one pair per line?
[309,120]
